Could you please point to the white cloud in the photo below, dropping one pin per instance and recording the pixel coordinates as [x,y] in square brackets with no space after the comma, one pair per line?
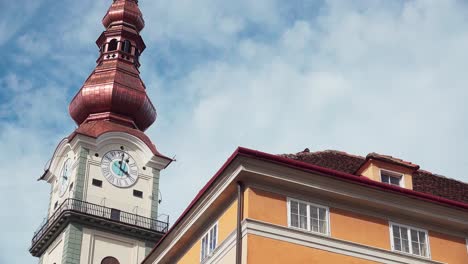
[15,16]
[359,76]
[384,79]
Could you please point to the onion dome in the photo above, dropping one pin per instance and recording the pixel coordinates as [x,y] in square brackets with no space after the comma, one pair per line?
[124,11]
[114,91]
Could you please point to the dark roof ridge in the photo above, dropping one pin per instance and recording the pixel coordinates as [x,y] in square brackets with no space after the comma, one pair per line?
[391,159]
[333,151]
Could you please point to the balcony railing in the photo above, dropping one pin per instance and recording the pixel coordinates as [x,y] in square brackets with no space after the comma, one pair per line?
[73,205]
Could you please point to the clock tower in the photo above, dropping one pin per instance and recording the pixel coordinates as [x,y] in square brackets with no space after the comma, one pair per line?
[104,177]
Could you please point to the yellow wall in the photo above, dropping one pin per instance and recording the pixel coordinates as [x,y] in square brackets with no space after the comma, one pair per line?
[192,255]
[350,226]
[266,250]
[266,206]
[448,249]
[359,228]
[226,225]
[345,225]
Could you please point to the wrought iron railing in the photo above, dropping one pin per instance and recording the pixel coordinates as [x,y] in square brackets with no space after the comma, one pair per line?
[83,207]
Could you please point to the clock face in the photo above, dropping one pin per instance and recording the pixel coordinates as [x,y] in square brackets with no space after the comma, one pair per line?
[119,168]
[64,177]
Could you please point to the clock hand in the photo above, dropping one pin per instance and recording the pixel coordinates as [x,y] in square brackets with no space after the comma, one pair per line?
[124,171]
[120,163]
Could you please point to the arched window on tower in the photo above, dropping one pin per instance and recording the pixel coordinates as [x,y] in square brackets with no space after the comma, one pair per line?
[127,46]
[110,260]
[112,45]
[137,55]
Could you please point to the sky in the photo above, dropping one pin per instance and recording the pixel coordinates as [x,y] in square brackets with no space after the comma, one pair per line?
[277,76]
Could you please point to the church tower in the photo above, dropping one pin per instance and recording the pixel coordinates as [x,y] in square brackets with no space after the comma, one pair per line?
[104,177]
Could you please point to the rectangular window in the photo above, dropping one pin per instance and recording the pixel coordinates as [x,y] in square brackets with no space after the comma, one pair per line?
[308,217]
[391,177]
[138,194]
[409,240]
[97,183]
[467,245]
[209,242]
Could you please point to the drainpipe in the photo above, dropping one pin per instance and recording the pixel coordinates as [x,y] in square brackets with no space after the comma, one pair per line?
[240,216]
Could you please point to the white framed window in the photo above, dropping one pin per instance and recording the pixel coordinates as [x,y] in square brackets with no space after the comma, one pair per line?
[209,242]
[409,240]
[466,245]
[393,178]
[309,217]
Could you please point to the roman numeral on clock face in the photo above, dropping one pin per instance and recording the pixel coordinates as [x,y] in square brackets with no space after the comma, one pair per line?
[119,168]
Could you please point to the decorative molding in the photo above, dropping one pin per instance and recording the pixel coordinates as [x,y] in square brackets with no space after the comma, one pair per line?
[314,198]
[258,228]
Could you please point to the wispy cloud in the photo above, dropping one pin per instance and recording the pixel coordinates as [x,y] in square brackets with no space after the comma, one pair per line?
[277,76]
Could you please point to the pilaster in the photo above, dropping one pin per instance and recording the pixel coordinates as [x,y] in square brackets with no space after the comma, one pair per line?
[72,244]
[81,173]
[155,195]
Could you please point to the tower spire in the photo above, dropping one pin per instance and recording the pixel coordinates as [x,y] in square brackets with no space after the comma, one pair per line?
[114,91]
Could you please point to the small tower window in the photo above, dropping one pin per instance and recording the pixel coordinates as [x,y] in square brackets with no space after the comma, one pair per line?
[97,183]
[137,55]
[126,47]
[112,45]
[138,194]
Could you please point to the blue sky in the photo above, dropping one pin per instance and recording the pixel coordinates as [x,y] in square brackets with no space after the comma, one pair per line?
[277,76]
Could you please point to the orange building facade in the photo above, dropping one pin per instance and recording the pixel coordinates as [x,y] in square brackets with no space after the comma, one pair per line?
[319,208]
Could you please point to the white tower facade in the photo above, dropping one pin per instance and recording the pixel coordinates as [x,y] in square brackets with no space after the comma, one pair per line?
[104,177]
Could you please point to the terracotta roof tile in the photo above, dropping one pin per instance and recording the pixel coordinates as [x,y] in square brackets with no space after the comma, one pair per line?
[332,159]
[390,159]
[423,181]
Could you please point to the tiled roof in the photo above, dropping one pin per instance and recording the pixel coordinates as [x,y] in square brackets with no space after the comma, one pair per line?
[423,181]
[332,159]
[390,159]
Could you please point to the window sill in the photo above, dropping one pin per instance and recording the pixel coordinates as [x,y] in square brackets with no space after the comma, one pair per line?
[412,255]
[310,232]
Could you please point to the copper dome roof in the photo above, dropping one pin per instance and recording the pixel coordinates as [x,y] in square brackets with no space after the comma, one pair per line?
[114,90]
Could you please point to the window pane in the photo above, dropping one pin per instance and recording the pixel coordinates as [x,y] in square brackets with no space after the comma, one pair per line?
[323,227]
[422,244]
[415,248]
[294,207]
[314,225]
[322,214]
[204,246]
[395,181]
[404,239]
[302,209]
[314,214]
[213,232]
[385,179]
[295,220]
[396,238]
[303,222]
